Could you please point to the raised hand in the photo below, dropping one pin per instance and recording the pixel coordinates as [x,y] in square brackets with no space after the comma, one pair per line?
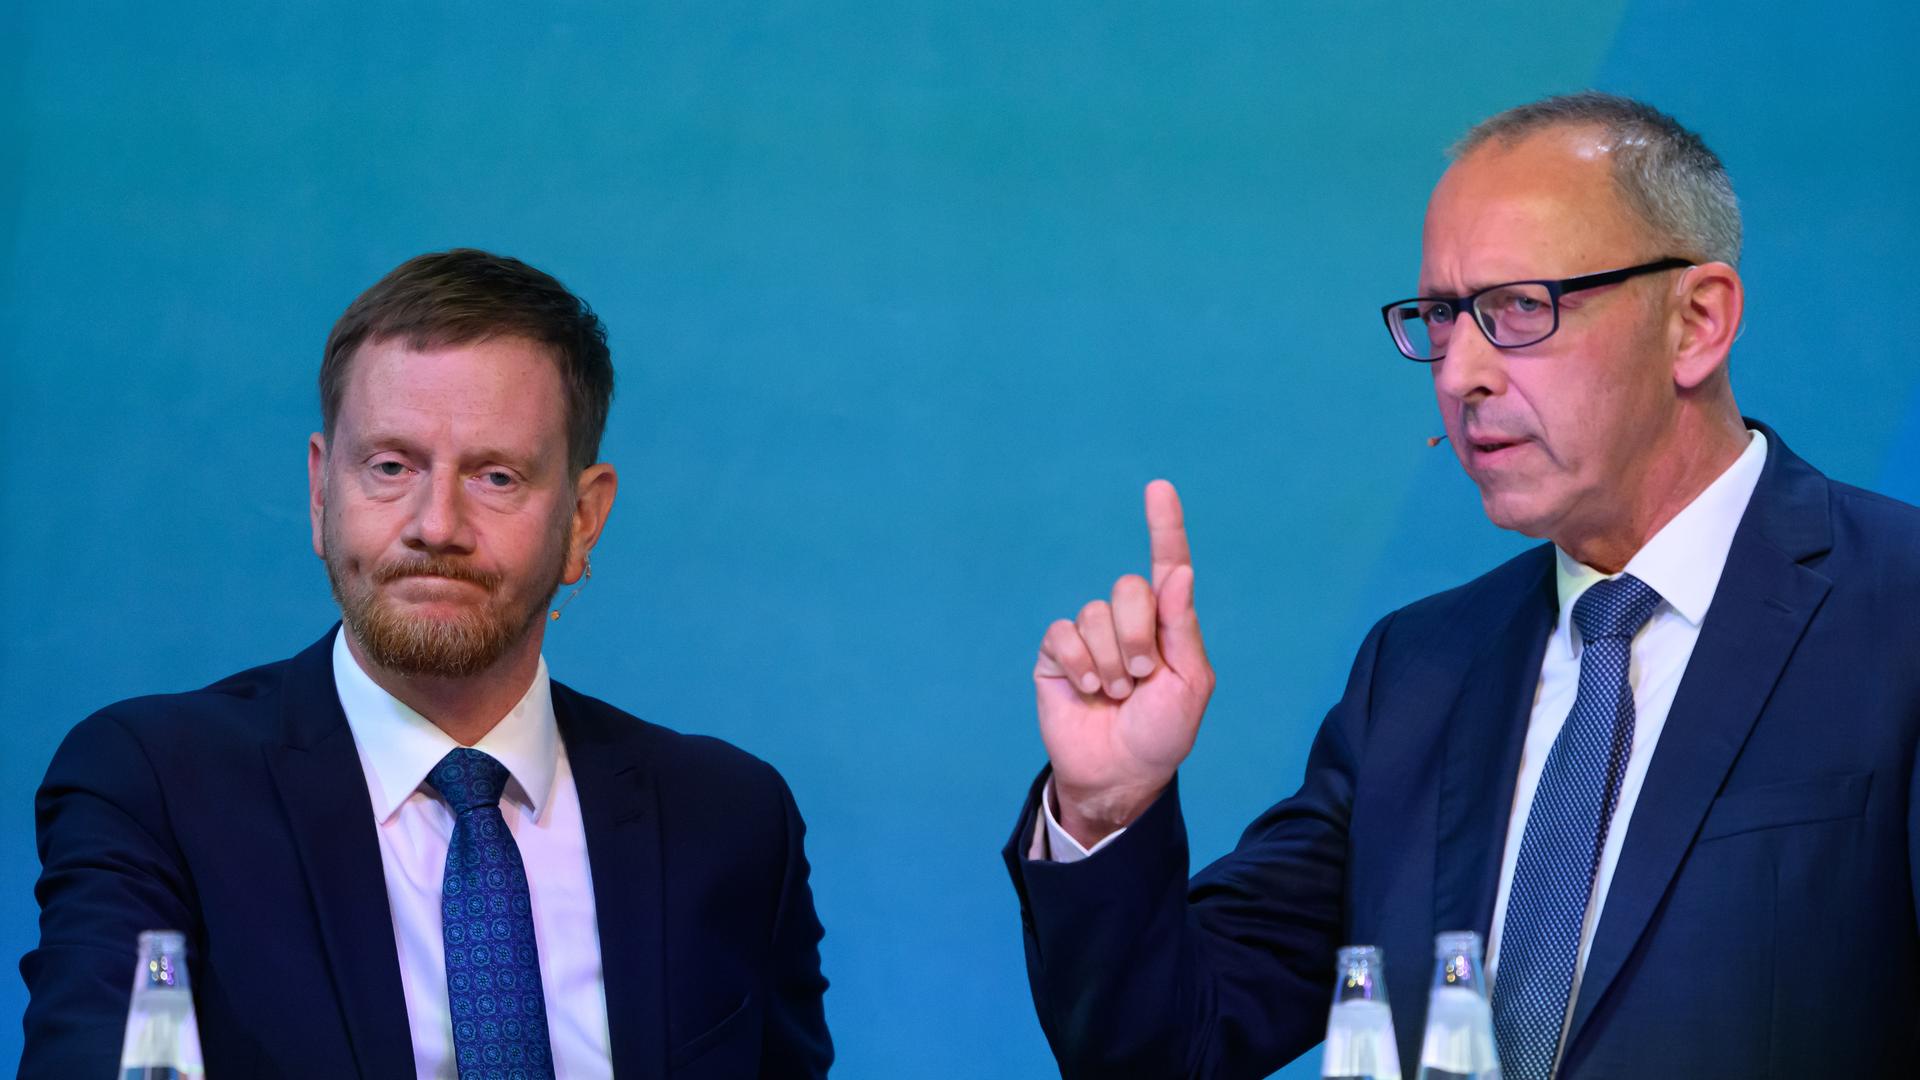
[1121,689]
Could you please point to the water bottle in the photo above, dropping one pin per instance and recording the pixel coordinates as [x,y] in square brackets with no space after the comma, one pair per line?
[1360,1042]
[1459,1039]
[163,1038]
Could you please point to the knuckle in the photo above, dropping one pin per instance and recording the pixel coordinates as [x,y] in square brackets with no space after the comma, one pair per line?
[1063,641]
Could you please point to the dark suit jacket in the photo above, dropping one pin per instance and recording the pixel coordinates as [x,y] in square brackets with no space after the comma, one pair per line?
[1761,920]
[239,814]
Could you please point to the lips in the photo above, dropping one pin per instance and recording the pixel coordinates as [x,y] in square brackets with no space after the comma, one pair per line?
[435,584]
[432,571]
[1494,445]
[436,577]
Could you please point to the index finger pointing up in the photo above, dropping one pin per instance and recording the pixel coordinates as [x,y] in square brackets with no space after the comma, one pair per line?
[1166,531]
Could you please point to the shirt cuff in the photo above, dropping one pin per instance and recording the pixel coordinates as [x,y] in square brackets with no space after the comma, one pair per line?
[1051,843]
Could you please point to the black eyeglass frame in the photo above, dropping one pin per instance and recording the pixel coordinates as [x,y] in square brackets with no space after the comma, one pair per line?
[1555,290]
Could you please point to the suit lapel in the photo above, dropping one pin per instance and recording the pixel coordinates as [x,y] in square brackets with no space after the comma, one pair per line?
[1486,729]
[323,789]
[619,809]
[1760,609]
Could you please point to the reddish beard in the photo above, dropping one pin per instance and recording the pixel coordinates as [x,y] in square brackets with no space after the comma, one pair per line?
[464,644]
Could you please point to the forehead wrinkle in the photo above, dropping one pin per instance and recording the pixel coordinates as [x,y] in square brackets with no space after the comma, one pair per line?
[1501,229]
[399,395]
[412,442]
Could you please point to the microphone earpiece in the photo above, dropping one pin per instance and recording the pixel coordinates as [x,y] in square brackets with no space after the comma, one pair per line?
[1436,441]
[554,615]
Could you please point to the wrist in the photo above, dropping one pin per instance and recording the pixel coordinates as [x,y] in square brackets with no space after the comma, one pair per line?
[1090,815]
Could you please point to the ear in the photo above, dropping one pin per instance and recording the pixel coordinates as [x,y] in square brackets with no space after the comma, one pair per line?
[317,490]
[1709,303]
[592,501]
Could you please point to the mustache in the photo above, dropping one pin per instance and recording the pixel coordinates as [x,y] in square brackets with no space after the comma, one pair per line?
[436,566]
[1472,418]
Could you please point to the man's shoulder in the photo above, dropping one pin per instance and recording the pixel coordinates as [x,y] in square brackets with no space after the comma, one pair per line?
[218,729]
[1827,523]
[1466,610]
[1431,643]
[677,757]
[1875,521]
[241,704]
[719,804]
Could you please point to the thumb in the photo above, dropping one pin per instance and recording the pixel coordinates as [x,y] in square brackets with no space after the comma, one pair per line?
[1180,642]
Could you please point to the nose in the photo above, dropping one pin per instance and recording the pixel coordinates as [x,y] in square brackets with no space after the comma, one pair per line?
[1473,369]
[440,522]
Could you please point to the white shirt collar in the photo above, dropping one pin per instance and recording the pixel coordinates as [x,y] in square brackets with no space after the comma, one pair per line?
[1683,561]
[399,747]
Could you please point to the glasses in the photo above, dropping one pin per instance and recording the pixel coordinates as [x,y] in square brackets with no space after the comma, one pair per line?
[1512,315]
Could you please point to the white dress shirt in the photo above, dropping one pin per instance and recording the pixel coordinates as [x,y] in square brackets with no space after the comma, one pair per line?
[1683,563]
[398,748]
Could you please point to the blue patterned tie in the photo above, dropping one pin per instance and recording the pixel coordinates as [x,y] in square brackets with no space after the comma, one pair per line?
[1566,831]
[486,919]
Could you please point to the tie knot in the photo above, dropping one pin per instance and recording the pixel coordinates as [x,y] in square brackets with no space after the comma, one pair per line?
[1616,608]
[467,779]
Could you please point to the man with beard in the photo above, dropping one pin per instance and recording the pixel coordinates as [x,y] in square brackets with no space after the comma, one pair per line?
[407,851]
[1664,765]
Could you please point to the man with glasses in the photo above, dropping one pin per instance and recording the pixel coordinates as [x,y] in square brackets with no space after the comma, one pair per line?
[1663,764]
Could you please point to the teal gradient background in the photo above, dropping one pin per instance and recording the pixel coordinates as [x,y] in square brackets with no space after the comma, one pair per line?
[908,301]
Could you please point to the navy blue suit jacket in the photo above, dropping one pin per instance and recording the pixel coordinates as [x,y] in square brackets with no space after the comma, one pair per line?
[1761,920]
[239,814]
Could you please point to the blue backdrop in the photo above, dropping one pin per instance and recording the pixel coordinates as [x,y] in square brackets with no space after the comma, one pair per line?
[908,301]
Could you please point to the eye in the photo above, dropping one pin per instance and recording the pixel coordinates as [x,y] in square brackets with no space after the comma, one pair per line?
[1439,314]
[497,478]
[389,468]
[1527,305]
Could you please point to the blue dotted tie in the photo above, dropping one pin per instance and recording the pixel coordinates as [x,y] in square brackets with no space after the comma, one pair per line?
[1566,831]
[486,919]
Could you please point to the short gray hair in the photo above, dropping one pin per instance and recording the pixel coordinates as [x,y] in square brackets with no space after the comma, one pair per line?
[1663,172]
